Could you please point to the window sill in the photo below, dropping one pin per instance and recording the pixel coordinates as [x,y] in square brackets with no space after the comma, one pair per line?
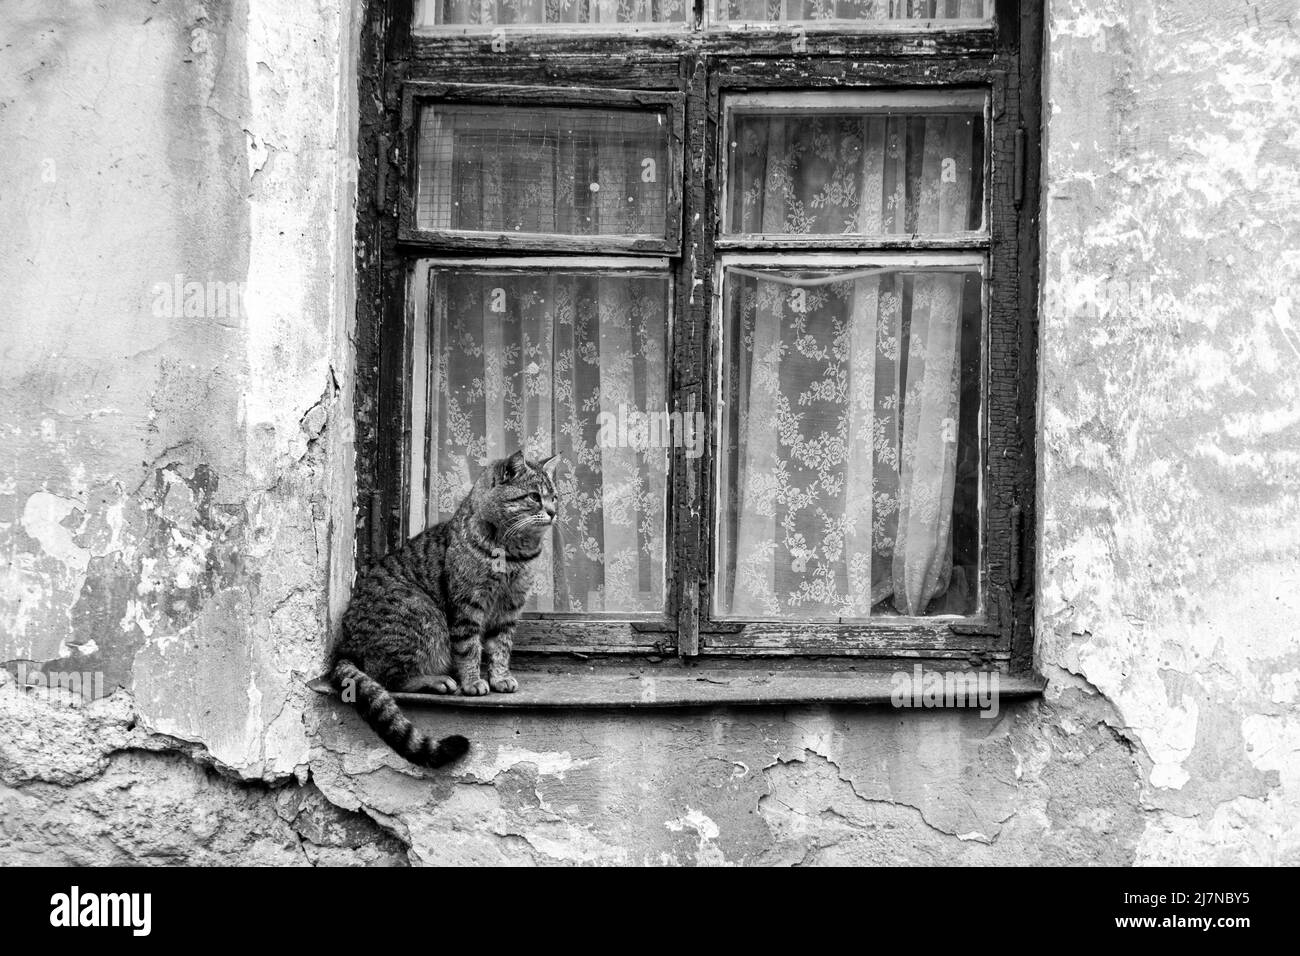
[635,685]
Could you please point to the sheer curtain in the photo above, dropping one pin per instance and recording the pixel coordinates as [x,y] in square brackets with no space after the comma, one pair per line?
[432,13]
[845,173]
[776,11]
[844,399]
[544,170]
[533,360]
[506,12]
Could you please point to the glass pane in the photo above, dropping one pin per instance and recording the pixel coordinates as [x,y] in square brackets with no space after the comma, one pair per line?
[573,172]
[560,363]
[849,448]
[855,164]
[431,14]
[881,13]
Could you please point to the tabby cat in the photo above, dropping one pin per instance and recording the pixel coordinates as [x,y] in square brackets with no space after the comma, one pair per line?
[425,617]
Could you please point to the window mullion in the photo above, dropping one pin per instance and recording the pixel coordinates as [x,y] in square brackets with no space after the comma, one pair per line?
[689,368]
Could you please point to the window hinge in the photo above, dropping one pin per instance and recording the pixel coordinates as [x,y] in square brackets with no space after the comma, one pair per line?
[1019,189]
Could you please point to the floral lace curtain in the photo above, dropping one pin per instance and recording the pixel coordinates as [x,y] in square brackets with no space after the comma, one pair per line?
[777,11]
[433,13]
[533,360]
[842,450]
[849,417]
[873,174]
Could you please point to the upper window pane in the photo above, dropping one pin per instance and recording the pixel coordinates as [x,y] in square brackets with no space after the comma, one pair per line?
[855,164]
[435,15]
[572,171]
[859,14]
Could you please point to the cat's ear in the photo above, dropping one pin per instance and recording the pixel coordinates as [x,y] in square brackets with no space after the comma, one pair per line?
[508,469]
[548,466]
[516,464]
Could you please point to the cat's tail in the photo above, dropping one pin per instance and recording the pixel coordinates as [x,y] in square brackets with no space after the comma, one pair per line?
[378,708]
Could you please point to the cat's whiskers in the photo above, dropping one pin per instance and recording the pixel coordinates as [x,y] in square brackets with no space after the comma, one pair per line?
[516,525]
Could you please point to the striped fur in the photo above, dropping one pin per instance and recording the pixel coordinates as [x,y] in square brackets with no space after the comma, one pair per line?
[433,615]
[378,708]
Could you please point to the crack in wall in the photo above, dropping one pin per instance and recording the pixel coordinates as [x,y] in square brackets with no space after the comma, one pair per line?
[115,792]
[774,774]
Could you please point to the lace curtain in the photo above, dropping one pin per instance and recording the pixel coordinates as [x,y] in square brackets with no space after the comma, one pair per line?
[533,360]
[844,443]
[873,173]
[777,11]
[543,170]
[851,394]
[507,12]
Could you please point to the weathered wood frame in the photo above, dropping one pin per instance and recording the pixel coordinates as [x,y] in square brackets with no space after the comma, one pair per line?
[984,635]
[415,92]
[699,65]
[735,634]
[555,631]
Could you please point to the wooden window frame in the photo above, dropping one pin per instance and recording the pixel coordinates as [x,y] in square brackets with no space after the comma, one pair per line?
[560,631]
[785,242]
[421,91]
[689,71]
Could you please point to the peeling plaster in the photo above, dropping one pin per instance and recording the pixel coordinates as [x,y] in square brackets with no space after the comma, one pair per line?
[506,758]
[180,479]
[90,786]
[1170,540]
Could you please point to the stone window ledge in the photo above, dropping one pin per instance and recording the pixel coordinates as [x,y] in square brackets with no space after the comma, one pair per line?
[634,685]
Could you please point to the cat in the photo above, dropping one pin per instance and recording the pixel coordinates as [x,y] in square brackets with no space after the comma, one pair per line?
[426,616]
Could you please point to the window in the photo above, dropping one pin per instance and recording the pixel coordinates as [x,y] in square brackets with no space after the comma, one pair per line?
[760,271]
[530,353]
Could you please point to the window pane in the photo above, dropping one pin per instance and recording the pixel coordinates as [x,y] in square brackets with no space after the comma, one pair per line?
[857,164]
[573,172]
[882,13]
[849,447]
[553,362]
[431,14]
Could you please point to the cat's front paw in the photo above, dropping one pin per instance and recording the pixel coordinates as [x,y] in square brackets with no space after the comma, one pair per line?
[504,685]
[443,685]
[474,688]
